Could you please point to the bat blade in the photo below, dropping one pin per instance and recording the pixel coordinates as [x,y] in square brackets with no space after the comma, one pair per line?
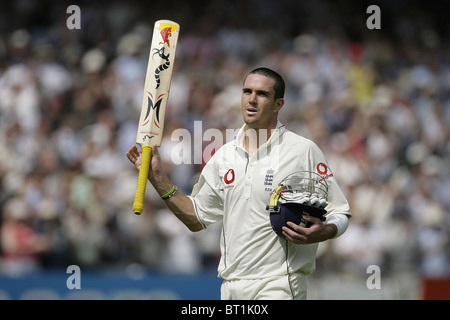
[156,93]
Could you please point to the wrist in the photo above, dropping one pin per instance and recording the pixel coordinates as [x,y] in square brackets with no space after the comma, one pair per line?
[170,193]
[340,221]
[330,230]
[161,183]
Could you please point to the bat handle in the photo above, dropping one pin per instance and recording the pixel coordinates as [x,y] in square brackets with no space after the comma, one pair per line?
[138,204]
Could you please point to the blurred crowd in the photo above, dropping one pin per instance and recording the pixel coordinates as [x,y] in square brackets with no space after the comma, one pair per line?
[377,102]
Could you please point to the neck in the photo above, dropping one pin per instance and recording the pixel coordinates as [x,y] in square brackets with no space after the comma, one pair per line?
[256,137]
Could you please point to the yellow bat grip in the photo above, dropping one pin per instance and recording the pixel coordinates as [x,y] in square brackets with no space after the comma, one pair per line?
[138,204]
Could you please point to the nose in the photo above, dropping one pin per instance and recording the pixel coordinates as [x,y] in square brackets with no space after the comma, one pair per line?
[252,98]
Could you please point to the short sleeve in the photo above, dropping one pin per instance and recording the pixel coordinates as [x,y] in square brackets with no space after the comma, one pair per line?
[207,195]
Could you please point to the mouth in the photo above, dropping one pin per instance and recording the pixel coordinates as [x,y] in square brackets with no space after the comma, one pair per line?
[251,111]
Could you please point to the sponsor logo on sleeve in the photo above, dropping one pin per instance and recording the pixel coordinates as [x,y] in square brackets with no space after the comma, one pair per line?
[322,169]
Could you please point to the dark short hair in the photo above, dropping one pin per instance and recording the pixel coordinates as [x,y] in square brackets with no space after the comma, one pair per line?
[278,86]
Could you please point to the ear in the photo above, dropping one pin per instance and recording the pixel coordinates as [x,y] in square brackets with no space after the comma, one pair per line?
[279,103]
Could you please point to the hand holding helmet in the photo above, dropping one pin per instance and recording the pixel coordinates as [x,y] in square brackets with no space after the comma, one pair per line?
[302,193]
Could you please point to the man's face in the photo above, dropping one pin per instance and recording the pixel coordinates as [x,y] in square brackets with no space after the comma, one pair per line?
[259,106]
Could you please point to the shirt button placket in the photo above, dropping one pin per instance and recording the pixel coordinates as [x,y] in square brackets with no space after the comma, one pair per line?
[248,181]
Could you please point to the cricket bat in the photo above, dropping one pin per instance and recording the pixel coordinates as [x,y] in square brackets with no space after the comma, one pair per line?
[156,92]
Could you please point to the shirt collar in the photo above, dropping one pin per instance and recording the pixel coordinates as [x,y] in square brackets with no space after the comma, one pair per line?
[279,129]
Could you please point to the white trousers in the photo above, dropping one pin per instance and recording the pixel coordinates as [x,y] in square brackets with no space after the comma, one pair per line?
[288,287]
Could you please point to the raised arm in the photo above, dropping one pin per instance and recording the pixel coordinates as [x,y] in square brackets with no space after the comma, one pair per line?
[175,200]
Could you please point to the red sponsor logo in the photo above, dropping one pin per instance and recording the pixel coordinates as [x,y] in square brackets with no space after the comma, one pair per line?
[166,33]
[229,176]
[166,30]
[322,168]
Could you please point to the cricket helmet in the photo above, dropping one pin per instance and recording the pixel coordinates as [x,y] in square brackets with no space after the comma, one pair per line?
[300,193]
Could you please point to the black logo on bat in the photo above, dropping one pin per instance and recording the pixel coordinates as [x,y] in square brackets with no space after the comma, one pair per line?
[164,66]
[156,107]
[147,137]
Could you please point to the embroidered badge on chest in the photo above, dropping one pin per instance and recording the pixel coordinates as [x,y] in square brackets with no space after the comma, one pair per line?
[268,180]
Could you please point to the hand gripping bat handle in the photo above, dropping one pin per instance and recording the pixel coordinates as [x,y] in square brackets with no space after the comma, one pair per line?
[138,204]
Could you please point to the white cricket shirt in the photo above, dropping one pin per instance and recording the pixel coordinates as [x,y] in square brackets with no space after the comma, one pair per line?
[235,187]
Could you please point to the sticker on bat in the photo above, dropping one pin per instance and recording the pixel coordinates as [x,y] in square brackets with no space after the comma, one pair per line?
[155,106]
[165,30]
[162,67]
[166,33]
